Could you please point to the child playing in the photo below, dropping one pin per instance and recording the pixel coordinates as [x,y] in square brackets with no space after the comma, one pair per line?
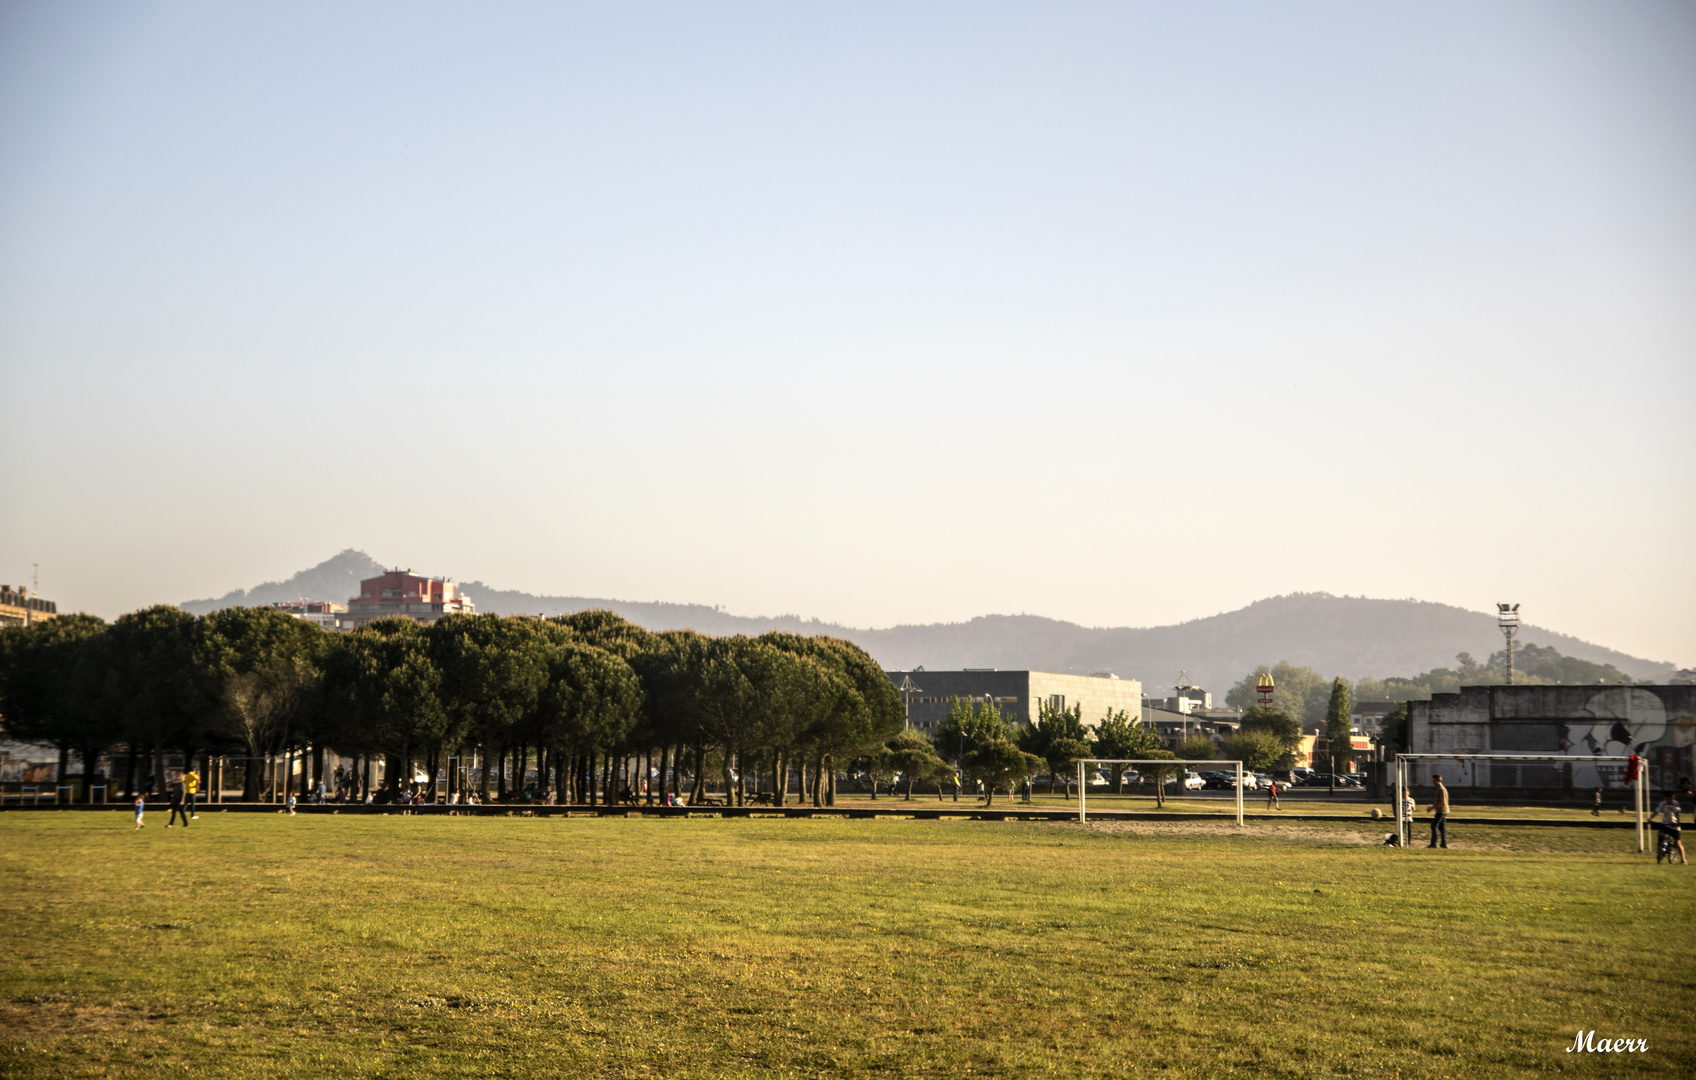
[140,808]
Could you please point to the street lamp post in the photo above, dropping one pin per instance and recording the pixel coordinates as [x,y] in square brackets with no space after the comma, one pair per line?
[907,691]
[1507,618]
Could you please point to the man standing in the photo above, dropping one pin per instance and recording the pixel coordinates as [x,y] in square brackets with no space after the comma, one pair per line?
[1272,796]
[177,806]
[1440,814]
[191,785]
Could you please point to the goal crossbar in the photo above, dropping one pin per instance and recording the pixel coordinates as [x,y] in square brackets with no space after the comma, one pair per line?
[1083,810]
[1640,796]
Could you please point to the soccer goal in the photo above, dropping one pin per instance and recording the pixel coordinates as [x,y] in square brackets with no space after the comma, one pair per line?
[1640,796]
[1083,810]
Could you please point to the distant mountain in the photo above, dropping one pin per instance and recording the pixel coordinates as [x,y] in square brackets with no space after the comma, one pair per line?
[1337,635]
[333,579]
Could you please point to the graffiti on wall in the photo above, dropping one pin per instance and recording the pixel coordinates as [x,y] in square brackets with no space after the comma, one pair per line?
[1622,720]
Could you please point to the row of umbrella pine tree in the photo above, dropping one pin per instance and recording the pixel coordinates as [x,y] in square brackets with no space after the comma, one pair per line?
[588,701]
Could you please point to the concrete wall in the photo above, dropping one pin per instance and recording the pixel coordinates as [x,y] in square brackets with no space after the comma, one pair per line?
[1658,722]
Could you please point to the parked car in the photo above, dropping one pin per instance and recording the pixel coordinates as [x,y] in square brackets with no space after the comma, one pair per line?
[1322,779]
[1217,782]
[1190,781]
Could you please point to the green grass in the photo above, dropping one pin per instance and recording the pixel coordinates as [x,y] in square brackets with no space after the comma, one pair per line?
[254,945]
[1309,801]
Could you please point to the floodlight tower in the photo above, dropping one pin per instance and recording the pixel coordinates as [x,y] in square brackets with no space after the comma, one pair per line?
[1507,617]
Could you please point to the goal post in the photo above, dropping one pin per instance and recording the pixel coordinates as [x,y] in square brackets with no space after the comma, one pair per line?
[1083,811]
[1640,785]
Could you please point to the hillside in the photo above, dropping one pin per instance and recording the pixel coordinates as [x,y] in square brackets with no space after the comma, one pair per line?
[333,579]
[1341,635]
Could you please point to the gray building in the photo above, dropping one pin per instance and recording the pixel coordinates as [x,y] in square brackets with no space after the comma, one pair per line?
[1018,694]
[1658,722]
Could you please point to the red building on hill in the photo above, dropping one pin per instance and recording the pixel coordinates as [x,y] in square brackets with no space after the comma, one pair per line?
[401,592]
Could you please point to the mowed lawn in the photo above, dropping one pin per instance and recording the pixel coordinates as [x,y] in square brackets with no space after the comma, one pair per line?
[257,945]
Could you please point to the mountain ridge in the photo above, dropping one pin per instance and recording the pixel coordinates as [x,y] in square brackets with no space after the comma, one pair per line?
[1346,635]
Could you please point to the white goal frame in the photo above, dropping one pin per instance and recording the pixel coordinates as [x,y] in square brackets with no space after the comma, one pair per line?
[1640,797]
[1083,812]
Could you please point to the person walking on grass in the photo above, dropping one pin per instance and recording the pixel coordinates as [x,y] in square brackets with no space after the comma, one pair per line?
[1272,796]
[1669,825]
[191,787]
[177,807]
[1596,806]
[1440,814]
[140,809]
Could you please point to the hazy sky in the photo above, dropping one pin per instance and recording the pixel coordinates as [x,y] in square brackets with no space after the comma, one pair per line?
[1119,313]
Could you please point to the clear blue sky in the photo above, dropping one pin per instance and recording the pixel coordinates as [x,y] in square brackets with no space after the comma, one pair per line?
[1119,313]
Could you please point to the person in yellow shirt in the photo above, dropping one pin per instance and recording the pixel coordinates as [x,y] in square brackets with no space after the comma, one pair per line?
[191,784]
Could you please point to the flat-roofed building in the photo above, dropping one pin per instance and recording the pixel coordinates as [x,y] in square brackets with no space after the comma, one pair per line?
[321,613]
[1574,722]
[1019,695]
[401,592]
[19,608]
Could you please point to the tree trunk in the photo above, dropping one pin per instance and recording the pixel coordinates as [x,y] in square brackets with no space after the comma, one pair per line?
[156,784]
[90,762]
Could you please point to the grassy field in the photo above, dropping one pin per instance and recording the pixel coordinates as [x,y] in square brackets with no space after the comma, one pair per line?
[1300,801]
[254,945]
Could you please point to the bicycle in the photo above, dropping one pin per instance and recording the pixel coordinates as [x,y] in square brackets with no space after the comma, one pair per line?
[1667,846]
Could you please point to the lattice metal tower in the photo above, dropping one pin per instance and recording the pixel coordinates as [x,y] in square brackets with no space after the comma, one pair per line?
[1507,617]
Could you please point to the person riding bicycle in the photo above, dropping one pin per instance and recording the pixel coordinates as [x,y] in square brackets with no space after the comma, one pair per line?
[1672,834]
